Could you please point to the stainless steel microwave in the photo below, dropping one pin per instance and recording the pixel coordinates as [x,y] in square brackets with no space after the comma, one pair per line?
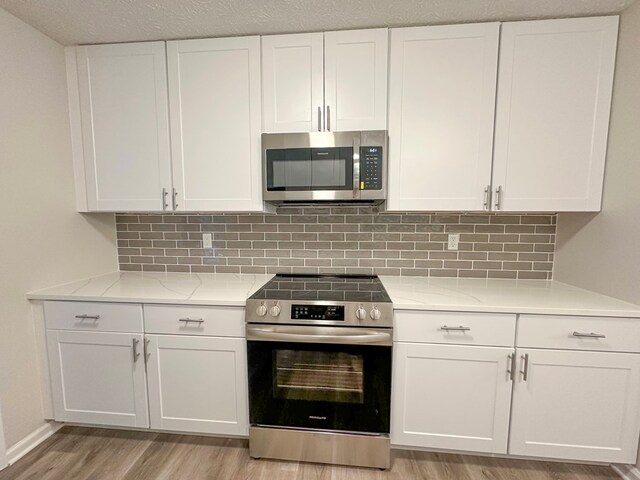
[321,167]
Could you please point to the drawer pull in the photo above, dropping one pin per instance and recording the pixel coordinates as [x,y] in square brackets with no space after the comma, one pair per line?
[446,328]
[191,320]
[84,316]
[589,335]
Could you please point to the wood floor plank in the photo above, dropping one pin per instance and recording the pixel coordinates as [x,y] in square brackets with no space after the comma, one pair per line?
[77,453]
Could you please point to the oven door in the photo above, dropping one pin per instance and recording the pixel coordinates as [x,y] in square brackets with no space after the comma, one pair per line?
[328,378]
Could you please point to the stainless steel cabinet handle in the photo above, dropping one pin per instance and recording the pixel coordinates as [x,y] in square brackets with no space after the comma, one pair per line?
[487,199]
[328,119]
[191,320]
[525,366]
[165,205]
[319,119]
[499,198]
[175,199]
[135,349]
[511,368]
[84,316]
[589,335]
[146,349]
[454,329]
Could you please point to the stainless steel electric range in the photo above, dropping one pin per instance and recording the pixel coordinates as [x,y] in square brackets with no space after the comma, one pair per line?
[319,355]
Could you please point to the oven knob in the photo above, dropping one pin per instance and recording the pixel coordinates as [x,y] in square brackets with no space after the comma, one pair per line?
[361,313]
[375,313]
[261,310]
[275,310]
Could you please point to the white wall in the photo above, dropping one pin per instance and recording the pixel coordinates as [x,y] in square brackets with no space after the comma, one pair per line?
[43,241]
[3,453]
[602,252]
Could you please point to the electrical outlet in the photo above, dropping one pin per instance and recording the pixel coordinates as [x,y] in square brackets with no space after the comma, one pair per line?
[454,240]
[206,240]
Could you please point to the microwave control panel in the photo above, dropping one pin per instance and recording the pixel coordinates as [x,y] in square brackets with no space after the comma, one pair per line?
[371,168]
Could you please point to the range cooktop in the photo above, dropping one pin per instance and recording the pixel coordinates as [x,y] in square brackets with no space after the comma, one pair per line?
[340,288]
[345,300]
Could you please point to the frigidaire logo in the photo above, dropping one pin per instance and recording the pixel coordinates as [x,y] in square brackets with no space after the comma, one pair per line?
[315,417]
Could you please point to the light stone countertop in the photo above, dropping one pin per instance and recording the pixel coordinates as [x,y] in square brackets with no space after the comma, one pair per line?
[407,293]
[502,296]
[220,289]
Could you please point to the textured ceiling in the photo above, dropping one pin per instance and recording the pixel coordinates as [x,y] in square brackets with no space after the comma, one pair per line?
[74,22]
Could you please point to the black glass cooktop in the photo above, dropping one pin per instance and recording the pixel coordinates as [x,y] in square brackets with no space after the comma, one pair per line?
[340,288]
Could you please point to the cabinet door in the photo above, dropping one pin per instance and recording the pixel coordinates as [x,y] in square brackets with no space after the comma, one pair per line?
[552,115]
[292,83]
[214,91]
[441,107]
[576,406]
[355,79]
[125,125]
[198,384]
[98,378]
[451,397]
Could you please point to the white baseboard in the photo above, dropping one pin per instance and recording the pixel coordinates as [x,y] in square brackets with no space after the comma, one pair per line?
[628,472]
[31,441]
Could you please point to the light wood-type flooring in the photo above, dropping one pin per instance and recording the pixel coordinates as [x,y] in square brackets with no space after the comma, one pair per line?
[76,453]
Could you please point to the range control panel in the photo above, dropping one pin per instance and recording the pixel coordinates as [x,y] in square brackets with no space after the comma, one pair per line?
[335,313]
[371,168]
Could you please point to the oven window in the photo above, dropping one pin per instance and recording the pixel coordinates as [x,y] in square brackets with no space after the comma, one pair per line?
[318,376]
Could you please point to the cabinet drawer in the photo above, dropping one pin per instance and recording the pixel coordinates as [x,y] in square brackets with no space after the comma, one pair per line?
[455,328]
[94,316]
[579,333]
[187,320]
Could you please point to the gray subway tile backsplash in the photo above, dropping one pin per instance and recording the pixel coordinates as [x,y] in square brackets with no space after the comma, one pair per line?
[340,240]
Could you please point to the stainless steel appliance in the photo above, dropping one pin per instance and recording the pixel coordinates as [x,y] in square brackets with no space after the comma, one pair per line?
[319,355]
[321,167]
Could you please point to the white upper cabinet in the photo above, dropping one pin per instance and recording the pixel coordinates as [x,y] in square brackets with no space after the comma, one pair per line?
[292,83]
[355,72]
[214,93]
[552,115]
[325,82]
[442,87]
[122,99]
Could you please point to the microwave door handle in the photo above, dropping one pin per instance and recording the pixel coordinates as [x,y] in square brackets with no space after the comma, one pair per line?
[356,167]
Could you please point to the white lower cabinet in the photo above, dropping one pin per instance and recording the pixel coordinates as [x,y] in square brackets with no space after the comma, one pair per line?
[198,384]
[576,403]
[576,406]
[451,397]
[98,378]
[194,381]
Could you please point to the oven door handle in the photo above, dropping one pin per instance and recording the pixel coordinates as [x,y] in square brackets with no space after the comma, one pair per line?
[304,334]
